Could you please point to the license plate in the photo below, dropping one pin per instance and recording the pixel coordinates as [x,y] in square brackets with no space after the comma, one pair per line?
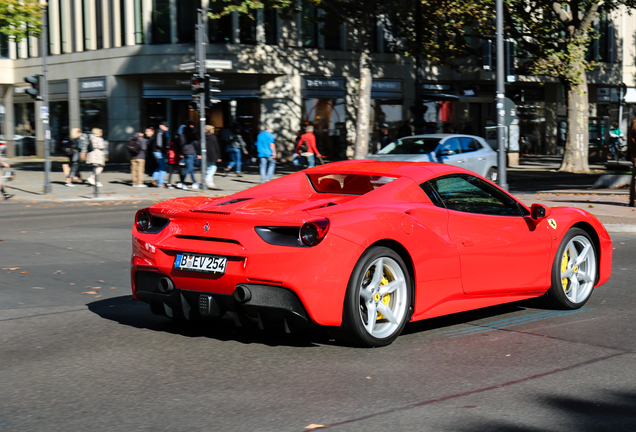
[201,263]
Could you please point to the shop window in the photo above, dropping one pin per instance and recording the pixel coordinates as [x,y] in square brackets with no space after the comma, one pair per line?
[331,32]
[2,110]
[122,20]
[4,46]
[24,131]
[161,22]
[219,30]
[86,23]
[59,122]
[327,115]
[99,25]
[94,114]
[156,111]
[308,25]
[384,112]
[139,23]
[270,23]
[247,28]
[187,19]
[603,48]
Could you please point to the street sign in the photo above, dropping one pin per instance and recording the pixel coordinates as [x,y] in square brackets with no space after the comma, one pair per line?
[44,113]
[187,66]
[209,64]
[218,64]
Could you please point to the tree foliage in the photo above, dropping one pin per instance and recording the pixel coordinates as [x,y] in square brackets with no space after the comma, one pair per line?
[440,31]
[557,34]
[20,18]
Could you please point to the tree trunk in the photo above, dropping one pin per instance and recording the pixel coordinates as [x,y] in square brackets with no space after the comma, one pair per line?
[575,158]
[361,147]
[364,103]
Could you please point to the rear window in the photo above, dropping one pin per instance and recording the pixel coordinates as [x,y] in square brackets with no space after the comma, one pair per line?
[348,184]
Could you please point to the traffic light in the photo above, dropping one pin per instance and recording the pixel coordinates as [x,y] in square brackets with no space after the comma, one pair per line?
[198,85]
[193,105]
[34,91]
[210,90]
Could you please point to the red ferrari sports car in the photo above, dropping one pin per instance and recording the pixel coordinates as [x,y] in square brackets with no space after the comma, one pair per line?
[363,247]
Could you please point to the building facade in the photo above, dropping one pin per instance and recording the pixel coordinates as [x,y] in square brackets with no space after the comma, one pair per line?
[114,64]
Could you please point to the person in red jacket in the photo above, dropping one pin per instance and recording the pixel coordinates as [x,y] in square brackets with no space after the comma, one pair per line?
[306,149]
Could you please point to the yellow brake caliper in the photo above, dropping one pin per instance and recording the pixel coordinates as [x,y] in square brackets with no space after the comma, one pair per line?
[564,266]
[386,298]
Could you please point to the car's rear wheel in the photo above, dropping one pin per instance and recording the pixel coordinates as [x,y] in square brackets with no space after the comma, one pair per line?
[378,300]
[492,174]
[574,271]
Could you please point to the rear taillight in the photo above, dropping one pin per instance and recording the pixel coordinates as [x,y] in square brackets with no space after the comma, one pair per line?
[142,220]
[312,233]
[149,224]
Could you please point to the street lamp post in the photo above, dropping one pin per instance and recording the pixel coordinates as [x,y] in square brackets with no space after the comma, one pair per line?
[500,100]
[45,103]
[201,50]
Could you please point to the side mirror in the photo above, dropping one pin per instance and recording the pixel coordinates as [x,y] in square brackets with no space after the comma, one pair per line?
[446,153]
[539,211]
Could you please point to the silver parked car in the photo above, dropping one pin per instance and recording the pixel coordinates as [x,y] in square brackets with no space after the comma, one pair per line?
[465,151]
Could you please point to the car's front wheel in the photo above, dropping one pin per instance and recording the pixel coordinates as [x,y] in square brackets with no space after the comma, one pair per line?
[574,271]
[378,300]
[492,174]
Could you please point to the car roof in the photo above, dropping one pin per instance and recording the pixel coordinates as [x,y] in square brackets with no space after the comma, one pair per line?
[443,135]
[418,171]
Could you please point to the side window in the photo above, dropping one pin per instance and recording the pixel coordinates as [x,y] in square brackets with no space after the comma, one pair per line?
[449,147]
[469,194]
[469,145]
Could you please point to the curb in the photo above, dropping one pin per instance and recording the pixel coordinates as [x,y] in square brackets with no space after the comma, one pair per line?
[617,228]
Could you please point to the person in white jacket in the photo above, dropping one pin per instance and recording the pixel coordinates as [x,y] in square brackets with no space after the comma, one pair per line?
[96,157]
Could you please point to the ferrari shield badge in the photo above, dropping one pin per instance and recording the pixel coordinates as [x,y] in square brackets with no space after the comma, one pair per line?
[552,223]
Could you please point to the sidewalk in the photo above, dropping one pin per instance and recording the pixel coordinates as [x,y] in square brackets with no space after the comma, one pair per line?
[535,180]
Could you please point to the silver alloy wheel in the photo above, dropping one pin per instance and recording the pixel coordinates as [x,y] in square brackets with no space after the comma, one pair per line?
[383,298]
[578,269]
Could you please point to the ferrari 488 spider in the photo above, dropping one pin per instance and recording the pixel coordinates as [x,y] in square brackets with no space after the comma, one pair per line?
[362,247]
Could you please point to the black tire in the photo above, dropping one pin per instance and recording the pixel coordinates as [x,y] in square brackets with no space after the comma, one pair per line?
[572,282]
[492,174]
[364,299]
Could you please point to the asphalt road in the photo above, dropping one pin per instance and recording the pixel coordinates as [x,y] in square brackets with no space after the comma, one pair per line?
[77,353]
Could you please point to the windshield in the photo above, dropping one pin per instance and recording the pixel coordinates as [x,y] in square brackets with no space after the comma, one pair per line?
[411,146]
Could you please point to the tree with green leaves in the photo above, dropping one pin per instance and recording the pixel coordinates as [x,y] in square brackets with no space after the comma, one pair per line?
[20,18]
[557,36]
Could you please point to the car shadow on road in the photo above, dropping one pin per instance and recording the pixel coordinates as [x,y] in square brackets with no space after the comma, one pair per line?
[473,315]
[130,312]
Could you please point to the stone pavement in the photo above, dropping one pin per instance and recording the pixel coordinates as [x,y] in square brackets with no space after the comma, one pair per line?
[535,180]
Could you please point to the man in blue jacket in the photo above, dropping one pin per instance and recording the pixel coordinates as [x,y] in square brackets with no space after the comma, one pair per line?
[266,147]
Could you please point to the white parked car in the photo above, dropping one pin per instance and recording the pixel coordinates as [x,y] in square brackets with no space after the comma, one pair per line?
[465,151]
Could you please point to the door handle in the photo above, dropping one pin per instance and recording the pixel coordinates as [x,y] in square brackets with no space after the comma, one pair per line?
[468,243]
